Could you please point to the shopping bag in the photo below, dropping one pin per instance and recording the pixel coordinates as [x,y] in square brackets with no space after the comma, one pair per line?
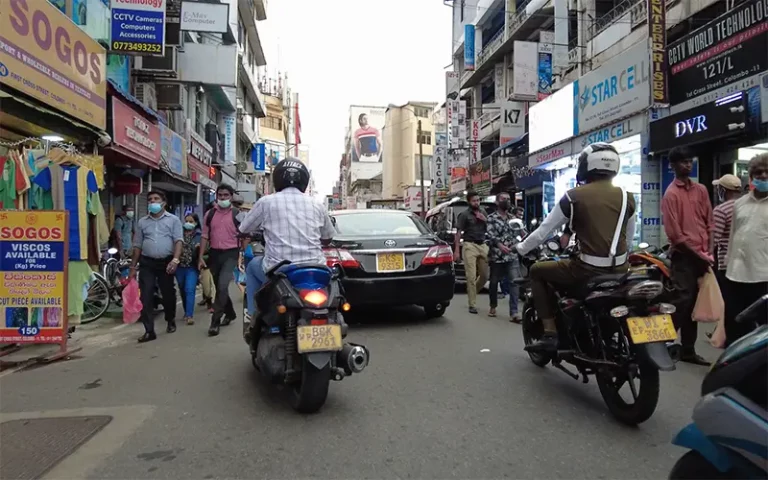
[717,339]
[709,306]
[131,302]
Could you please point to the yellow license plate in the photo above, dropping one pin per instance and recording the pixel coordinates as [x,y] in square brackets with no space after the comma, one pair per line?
[390,262]
[658,328]
[319,338]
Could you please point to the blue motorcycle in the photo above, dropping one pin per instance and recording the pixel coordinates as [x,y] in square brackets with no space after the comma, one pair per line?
[728,438]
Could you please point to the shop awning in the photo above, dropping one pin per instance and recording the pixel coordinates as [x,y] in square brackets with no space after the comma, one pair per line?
[170,182]
[115,89]
[510,144]
[23,117]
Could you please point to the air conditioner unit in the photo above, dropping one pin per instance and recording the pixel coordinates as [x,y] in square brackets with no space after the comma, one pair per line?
[165,66]
[170,96]
[146,94]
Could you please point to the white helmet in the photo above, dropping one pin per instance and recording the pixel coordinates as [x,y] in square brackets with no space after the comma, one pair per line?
[598,157]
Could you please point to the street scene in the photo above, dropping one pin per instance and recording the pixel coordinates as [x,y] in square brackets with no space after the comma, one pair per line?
[464,239]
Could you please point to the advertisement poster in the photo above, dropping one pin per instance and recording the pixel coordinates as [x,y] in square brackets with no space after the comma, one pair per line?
[525,71]
[546,50]
[138,27]
[728,49]
[33,293]
[469,47]
[480,175]
[650,198]
[617,89]
[119,71]
[229,139]
[53,74]
[657,30]
[173,151]
[366,124]
[462,119]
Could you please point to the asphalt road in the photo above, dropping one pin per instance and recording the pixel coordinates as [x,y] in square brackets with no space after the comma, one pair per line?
[454,397]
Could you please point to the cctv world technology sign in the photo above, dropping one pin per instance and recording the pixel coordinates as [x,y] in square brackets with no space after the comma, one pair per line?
[138,27]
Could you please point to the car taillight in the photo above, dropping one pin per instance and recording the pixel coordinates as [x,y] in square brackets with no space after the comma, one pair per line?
[340,256]
[314,297]
[438,255]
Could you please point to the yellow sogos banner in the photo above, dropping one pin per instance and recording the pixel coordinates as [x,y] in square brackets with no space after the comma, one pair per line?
[45,55]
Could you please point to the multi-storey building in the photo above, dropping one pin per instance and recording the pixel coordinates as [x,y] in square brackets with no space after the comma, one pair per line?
[402,164]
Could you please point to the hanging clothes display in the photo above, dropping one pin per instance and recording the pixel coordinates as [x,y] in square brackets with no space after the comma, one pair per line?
[14,181]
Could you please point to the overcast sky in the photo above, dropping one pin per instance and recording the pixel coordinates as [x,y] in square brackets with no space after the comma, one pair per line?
[365,52]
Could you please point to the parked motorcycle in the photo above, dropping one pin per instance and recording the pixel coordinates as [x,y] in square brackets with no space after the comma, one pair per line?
[613,327]
[728,438]
[297,335]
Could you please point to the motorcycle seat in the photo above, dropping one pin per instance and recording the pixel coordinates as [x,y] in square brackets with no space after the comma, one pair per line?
[606,281]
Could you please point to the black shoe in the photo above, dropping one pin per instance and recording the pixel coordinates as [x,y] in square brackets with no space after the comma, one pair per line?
[473,310]
[694,358]
[213,330]
[228,320]
[147,337]
[203,302]
[547,343]
[171,326]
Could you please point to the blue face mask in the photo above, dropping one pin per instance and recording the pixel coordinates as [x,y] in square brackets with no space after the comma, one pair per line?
[189,226]
[155,208]
[760,185]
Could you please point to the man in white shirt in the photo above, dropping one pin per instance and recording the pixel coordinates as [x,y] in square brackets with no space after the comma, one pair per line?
[295,226]
[748,249]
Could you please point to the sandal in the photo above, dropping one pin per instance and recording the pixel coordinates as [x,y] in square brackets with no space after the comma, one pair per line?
[190,320]
[492,312]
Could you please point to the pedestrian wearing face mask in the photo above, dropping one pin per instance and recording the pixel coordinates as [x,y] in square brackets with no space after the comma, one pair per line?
[748,250]
[220,231]
[187,273]
[123,231]
[156,252]
[501,238]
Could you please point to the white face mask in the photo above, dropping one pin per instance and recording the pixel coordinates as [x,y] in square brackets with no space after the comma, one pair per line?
[129,214]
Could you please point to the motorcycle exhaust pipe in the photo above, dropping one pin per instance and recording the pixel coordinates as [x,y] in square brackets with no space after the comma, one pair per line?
[353,358]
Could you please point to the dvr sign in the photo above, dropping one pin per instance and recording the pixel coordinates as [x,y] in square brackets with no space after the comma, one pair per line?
[691,126]
[698,125]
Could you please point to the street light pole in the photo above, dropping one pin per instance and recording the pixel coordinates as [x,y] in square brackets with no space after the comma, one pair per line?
[421,172]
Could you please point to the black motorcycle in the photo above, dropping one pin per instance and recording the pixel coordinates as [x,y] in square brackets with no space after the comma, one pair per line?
[297,336]
[612,327]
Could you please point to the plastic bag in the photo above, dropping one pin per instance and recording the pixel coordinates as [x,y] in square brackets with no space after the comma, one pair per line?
[717,339]
[710,306]
[131,302]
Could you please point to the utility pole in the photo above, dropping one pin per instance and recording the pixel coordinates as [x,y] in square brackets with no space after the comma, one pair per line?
[421,172]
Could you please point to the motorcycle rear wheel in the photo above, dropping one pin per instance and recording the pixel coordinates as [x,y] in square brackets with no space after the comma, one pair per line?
[647,396]
[532,331]
[310,394]
[692,466]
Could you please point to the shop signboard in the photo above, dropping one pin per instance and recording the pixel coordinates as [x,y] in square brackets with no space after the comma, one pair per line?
[46,56]
[173,151]
[657,32]
[616,90]
[440,169]
[413,199]
[204,17]
[33,264]
[764,98]
[546,50]
[551,120]
[729,49]
[650,198]
[259,157]
[138,27]
[469,47]
[480,175]
[474,141]
[229,139]
[550,155]
[135,133]
[708,122]
[512,121]
[609,134]
[199,157]
[525,71]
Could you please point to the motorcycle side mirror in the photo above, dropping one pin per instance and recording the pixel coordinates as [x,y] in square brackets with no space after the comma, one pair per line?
[643,245]
[534,222]
[112,251]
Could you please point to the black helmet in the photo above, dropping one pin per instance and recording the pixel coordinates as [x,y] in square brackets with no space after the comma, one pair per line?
[290,172]
[598,158]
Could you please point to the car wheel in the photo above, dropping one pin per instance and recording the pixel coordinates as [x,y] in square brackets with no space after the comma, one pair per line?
[436,311]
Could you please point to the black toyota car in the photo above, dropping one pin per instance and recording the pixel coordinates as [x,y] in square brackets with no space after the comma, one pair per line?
[391,257]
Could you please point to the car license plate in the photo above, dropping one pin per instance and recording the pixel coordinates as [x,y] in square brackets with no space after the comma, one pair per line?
[658,328]
[390,262]
[319,338]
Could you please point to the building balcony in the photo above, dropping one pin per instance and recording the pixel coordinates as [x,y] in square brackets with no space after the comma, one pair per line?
[490,120]
[252,87]
[529,19]
[245,129]
[250,12]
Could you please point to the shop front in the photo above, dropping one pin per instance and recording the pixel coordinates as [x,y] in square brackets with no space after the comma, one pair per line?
[199,158]
[173,176]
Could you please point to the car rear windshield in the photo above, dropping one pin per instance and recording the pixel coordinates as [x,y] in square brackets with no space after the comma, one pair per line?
[379,224]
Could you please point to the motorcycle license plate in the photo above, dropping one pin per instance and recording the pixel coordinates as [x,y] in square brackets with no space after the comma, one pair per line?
[318,338]
[657,328]
[390,262]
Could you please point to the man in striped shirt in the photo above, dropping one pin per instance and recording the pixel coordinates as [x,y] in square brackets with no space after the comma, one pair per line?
[728,189]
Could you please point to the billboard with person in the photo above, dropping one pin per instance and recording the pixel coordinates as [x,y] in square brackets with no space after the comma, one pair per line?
[366,124]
